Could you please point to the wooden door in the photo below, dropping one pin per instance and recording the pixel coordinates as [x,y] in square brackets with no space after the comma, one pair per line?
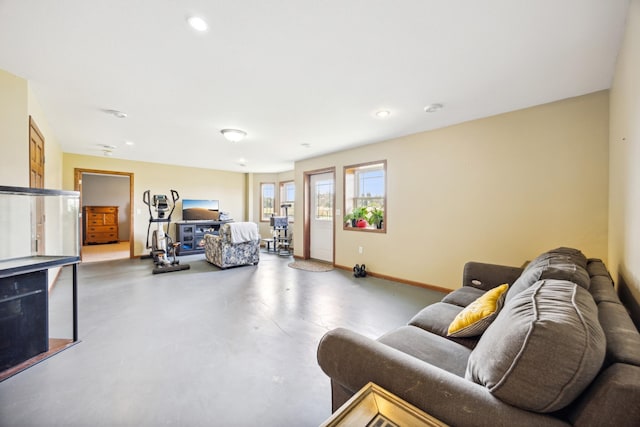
[36,180]
[36,155]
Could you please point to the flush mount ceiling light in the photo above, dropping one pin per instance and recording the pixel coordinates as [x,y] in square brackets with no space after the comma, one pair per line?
[383,113]
[107,149]
[116,113]
[432,108]
[233,135]
[197,23]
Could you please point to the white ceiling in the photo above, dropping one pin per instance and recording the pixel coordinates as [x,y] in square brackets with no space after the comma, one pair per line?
[294,72]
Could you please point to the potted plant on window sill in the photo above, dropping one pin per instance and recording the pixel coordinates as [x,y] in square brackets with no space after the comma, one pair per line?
[375,218]
[357,217]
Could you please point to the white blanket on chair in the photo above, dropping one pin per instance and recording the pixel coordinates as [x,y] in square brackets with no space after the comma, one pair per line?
[243,232]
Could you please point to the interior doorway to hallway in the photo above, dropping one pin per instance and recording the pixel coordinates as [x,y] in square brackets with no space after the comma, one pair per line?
[107,188]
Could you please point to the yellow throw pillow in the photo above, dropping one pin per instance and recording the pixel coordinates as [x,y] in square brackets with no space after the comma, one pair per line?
[475,318]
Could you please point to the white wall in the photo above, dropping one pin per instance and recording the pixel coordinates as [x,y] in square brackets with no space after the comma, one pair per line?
[109,190]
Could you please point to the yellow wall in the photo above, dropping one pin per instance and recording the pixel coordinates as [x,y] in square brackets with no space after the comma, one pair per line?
[190,183]
[14,130]
[17,103]
[52,150]
[257,179]
[624,188]
[500,190]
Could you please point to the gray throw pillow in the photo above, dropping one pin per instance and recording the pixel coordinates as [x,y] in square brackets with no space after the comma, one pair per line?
[543,349]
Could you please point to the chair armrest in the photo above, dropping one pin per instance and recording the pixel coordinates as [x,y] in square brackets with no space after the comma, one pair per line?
[352,360]
[488,276]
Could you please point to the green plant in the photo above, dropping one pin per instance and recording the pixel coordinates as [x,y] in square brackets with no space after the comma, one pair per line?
[356,215]
[360,213]
[376,215]
[348,218]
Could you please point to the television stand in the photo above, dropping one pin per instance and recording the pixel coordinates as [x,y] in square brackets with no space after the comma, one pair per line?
[191,233]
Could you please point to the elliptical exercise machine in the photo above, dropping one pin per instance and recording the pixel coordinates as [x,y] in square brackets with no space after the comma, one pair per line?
[162,246]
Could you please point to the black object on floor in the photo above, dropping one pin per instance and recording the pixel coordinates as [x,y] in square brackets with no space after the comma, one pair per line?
[359,271]
[159,269]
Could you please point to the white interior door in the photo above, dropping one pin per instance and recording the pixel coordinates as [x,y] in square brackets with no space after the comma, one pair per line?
[321,215]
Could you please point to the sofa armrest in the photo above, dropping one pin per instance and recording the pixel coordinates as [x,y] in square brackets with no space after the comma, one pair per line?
[487,276]
[352,360]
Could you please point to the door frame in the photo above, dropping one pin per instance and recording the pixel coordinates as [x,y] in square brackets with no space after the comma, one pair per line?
[306,247]
[77,183]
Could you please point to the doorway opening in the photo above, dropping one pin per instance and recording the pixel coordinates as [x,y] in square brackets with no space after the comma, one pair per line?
[108,197]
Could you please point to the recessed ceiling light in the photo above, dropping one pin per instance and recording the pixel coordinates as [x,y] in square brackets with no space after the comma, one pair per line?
[129,143]
[197,23]
[432,108]
[383,113]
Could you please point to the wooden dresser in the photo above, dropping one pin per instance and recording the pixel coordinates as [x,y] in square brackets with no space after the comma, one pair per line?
[100,224]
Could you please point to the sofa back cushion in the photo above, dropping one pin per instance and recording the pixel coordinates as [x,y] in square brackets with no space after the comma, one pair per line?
[543,349]
[560,263]
[560,255]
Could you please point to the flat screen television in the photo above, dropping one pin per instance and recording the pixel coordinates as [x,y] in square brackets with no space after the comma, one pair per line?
[200,210]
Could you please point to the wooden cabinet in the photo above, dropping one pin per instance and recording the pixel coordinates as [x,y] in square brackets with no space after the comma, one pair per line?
[100,224]
[191,235]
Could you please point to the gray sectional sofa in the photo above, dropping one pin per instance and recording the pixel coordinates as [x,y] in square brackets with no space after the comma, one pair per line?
[561,350]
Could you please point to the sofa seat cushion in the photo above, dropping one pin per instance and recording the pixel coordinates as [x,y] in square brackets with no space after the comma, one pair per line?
[543,349]
[430,348]
[602,290]
[437,317]
[475,318]
[463,296]
[623,339]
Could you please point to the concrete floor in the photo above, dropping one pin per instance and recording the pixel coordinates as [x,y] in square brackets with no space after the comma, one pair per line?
[201,347]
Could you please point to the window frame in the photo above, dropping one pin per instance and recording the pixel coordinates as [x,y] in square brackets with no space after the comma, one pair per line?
[283,199]
[349,179]
[262,200]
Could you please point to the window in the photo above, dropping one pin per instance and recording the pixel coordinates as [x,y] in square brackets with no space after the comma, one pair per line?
[288,197]
[324,200]
[365,197]
[267,200]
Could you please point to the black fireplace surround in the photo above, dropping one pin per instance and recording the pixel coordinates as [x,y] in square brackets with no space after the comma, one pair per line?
[24,328]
